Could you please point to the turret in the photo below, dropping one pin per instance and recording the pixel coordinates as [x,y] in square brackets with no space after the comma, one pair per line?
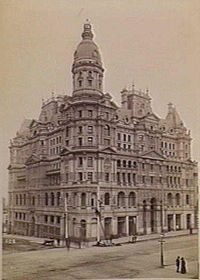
[87,68]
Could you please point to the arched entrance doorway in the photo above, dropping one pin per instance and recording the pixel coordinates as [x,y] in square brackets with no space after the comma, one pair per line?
[83,229]
[153,215]
[32,226]
[145,216]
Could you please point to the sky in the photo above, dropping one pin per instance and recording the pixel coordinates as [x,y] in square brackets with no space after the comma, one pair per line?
[155,43]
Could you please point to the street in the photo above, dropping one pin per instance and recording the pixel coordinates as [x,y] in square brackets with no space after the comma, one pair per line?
[140,260]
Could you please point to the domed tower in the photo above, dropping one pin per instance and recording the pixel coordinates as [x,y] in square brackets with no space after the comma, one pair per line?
[87,67]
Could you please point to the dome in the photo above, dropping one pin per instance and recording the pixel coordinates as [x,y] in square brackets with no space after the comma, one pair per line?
[87,49]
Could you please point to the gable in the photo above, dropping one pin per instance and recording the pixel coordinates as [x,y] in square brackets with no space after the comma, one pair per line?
[109,150]
[153,155]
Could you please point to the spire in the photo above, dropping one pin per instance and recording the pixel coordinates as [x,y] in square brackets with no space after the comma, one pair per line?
[87,31]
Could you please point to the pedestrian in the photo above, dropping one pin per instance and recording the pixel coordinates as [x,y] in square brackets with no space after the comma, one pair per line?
[178,264]
[183,266]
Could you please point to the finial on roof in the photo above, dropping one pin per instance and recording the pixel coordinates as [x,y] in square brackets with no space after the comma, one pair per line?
[133,85]
[87,30]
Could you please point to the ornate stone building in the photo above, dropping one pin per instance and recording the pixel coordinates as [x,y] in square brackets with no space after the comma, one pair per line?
[88,168]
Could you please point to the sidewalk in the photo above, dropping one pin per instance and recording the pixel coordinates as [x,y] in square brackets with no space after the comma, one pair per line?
[120,240]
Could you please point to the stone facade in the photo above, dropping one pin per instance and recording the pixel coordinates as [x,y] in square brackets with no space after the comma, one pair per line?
[88,168]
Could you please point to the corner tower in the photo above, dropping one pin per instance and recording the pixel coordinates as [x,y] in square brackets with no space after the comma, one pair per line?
[87,67]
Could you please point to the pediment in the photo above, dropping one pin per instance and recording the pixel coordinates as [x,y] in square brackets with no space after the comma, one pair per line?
[32,159]
[65,151]
[153,155]
[109,150]
[34,123]
[151,117]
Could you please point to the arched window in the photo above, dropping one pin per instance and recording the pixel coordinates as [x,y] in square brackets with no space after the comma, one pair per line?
[124,163]
[132,199]
[16,199]
[187,199]
[52,199]
[83,199]
[129,163]
[177,199]
[107,199]
[46,199]
[134,164]
[107,130]
[169,199]
[118,163]
[58,198]
[93,199]
[121,199]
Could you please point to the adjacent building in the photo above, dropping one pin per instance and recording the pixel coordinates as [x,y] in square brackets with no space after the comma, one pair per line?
[91,169]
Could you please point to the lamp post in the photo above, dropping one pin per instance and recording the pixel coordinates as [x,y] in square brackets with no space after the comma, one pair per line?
[161,250]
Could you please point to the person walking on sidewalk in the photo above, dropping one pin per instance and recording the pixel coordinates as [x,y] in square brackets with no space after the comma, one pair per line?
[183,266]
[178,264]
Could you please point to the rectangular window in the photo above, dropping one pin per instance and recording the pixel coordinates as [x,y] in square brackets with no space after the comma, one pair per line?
[124,137]
[124,146]
[58,220]
[143,166]
[151,178]
[89,176]
[129,178]
[107,142]
[90,113]
[160,180]
[52,219]
[67,143]
[134,177]
[80,141]
[118,177]
[151,167]
[80,83]
[45,218]
[107,177]
[80,129]
[143,179]
[90,161]
[90,140]
[80,175]
[129,138]
[89,83]
[107,116]
[118,136]
[129,147]
[118,145]
[80,114]
[80,161]
[124,178]
[90,129]
[67,131]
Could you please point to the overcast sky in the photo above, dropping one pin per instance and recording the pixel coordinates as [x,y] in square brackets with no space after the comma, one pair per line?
[156,43]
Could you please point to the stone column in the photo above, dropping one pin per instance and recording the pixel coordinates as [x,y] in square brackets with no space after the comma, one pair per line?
[174,221]
[127,225]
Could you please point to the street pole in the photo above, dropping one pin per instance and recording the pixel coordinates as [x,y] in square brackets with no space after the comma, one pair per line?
[98,214]
[65,218]
[161,250]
